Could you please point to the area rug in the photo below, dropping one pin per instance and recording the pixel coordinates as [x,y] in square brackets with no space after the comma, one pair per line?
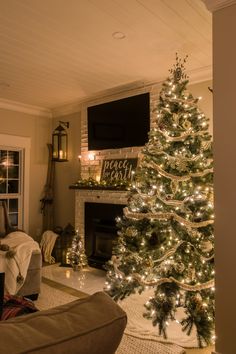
[51,297]
[134,345]
[142,328]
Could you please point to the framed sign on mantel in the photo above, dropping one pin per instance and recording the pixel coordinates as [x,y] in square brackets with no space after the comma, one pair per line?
[114,170]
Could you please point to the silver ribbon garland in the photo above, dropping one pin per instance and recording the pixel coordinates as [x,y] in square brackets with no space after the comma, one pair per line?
[168,215]
[152,164]
[156,282]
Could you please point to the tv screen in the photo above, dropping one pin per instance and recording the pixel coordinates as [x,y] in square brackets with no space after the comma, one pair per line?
[118,124]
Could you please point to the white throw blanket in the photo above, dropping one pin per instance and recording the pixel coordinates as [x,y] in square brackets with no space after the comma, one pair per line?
[47,243]
[23,245]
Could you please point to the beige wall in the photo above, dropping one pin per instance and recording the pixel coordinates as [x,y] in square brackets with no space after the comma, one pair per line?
[67,173]
[224,73]
[38,129]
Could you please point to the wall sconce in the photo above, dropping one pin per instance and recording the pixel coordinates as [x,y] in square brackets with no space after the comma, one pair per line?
[60,143]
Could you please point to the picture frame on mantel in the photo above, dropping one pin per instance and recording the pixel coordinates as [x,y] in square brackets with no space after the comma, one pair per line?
[118,170]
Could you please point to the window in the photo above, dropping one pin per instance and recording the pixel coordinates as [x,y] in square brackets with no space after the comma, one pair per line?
[11,183]
[14,177]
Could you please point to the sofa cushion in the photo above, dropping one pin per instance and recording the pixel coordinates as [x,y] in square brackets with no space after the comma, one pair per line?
[93,325]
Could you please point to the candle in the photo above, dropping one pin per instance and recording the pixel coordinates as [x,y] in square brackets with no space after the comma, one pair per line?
[91,157]
[79,162]
[60,154]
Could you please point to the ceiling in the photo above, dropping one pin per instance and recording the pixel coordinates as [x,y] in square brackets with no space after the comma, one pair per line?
[55,52]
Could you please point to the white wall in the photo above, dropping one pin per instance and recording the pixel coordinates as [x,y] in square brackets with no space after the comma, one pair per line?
[38,129]
[67,173]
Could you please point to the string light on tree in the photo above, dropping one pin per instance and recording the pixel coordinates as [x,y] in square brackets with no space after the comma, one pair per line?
[170,207]
[76,255]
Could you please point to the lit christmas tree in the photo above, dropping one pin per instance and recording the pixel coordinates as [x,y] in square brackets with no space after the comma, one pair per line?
[165,238]
[76,254]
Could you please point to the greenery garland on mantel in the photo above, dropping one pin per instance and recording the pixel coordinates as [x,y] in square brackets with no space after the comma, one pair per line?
[91,183]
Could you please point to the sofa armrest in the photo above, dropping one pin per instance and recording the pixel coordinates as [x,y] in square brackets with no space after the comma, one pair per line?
[92,325]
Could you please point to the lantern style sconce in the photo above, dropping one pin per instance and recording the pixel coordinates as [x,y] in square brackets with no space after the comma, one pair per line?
[60,143]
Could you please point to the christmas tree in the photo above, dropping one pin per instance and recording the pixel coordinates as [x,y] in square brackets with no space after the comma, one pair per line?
[76,254]
[165,238]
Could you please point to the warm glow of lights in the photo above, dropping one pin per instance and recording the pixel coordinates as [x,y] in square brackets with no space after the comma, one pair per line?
[91,156]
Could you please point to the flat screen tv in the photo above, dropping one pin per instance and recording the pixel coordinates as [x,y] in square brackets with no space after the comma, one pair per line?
[118,124]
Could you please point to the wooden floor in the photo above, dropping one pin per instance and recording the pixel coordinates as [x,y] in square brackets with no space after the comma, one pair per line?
[81,294]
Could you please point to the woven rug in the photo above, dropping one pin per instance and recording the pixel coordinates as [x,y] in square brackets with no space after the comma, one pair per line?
[135,345]
[51,297]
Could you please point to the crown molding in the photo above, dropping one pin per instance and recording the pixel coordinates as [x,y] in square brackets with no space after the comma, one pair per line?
[196,76]
[76,106]
[67,109]
[25,108]
[214,5]
[200,75]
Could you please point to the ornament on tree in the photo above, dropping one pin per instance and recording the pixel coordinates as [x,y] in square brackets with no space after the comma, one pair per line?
[149,263]
[168,215]
[206,246]
[131,231]
[76,254]
[179,267]
[191,273]
[186,124]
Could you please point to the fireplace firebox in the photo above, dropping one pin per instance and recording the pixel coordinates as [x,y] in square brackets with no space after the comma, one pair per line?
[100,231]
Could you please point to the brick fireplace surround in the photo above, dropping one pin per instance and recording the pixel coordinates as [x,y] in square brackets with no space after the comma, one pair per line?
[92,168]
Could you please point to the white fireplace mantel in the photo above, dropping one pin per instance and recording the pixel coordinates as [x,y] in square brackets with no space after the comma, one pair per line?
[94,196]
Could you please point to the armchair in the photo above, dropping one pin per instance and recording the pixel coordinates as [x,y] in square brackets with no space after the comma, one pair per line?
[31,286]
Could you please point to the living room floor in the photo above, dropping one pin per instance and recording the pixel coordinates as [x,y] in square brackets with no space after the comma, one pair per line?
[82,283]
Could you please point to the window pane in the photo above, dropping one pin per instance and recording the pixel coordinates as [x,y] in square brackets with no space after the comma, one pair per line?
[13,205]
[3,186]
[13,219]
[10,183]
[3,172]
[13,172]
[15,157]
[3,157]
[13,186]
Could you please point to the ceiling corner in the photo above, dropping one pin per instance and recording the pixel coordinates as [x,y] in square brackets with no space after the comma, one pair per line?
[214,5]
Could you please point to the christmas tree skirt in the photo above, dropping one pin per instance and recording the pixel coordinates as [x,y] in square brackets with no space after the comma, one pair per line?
[141,327]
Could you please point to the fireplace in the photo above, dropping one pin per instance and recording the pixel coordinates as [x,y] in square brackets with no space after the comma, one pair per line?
[100,231]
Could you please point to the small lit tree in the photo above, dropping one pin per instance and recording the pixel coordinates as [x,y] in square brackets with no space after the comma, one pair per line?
[165,238]
[76,255]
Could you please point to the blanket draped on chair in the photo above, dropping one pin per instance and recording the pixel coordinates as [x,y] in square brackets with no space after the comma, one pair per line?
[23,245]
[47,243]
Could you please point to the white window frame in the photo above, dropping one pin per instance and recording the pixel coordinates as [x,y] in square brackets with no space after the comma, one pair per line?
[8,142]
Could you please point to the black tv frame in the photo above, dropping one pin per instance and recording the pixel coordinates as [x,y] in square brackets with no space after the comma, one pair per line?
[120,123]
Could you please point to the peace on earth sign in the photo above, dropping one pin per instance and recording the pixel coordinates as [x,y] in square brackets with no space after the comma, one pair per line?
[118,169]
